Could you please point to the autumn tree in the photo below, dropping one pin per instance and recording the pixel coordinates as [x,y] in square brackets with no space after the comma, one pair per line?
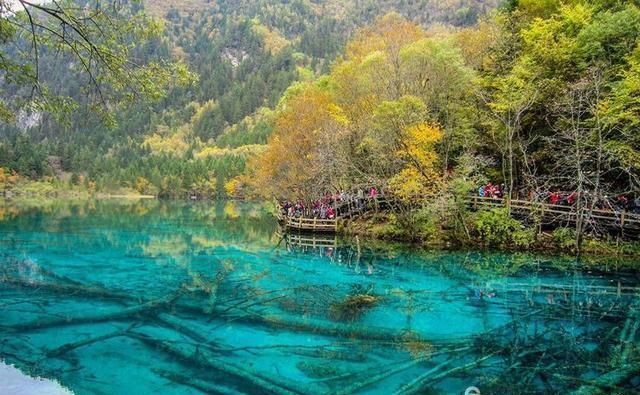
[377,51]
[297,162]
[434,70]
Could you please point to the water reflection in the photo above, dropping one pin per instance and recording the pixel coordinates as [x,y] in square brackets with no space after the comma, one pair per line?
[175,298]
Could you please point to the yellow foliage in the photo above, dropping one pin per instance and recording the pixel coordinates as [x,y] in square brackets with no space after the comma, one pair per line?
[164,141]
[233,187]
[388,34]
[8,177]
[245,151]
[338,114]
[358,116]
[420,143]
[142,185]
[289,164]
[420,178]
[272,39]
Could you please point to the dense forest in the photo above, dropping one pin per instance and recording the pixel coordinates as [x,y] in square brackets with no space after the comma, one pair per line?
[539,98]
[243,56]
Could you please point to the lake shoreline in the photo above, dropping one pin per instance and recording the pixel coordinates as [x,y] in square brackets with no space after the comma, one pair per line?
[380,228]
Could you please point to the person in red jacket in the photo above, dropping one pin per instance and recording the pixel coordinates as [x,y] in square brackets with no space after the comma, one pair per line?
[330,213]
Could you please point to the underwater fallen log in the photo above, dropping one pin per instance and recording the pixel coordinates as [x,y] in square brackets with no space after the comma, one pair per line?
[607,388]
[92,319]
[173,323]
[56,352]
[459,369]
[319,327]
[243,305]
[328,354]
[321,352]
[366,373]
[98,293]
[628,334]
[196,383]
[82,291]
[320,370]
[63,279]
[419,383]
[626,370]
[66,289]
[609,380]
[416,384]
[387,372]
[248,378]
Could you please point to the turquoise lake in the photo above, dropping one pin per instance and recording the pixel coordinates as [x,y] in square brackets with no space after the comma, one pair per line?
[149,297]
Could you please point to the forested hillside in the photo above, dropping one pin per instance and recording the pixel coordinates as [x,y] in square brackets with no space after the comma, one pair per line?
[245,55]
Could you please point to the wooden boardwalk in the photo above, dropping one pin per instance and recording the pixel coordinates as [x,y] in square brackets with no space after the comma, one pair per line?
[309,224]
[548,215]
[556,215]
[347,209]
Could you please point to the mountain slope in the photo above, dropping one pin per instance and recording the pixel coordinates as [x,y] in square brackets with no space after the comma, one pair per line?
[246,53]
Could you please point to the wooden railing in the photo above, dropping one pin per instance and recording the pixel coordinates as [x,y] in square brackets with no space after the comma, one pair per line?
[550,214]
[311,224]
[345,209]
[355,207]
[554,212]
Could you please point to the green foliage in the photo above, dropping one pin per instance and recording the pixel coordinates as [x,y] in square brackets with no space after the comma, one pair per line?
[163,117]
[622,110]
[496,228]
[612,247]
[564,238]
[420,225]
[96,45]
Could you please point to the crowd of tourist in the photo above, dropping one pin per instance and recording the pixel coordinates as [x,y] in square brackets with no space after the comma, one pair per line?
[328,207]
[492,191]
[621,202]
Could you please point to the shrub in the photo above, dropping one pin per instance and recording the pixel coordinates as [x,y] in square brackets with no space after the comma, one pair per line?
[564,238]
[416,225]
[496,228]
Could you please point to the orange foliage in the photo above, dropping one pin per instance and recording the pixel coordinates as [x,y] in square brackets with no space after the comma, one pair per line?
[292,154]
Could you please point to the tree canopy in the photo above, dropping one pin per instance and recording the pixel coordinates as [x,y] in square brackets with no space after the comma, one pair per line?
[540,95]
